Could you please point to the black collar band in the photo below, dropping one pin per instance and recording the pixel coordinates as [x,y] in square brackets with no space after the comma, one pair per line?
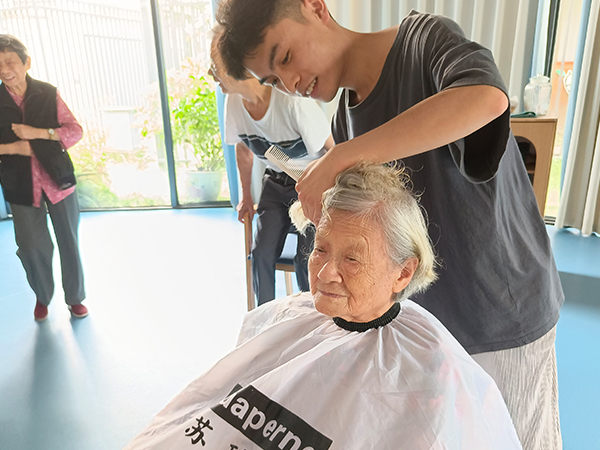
[361,327]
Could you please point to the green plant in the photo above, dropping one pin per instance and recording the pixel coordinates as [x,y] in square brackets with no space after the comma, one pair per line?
[195,124]
[194,117]
[92,158]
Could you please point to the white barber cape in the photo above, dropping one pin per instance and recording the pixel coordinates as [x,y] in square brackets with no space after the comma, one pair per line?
[297,381]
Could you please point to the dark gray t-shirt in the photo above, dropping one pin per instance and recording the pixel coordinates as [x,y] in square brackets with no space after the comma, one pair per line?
[498,286]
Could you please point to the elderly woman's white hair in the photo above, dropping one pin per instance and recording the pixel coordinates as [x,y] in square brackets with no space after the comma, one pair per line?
[381,195]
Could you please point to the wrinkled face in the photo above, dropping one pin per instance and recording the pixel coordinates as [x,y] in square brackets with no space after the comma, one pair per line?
[299,58]
[13,71]
[351,274]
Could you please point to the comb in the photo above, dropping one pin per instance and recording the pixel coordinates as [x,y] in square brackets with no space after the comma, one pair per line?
[284,162]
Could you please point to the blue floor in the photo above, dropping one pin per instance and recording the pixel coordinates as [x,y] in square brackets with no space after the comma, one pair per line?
[166,293]
[578,338]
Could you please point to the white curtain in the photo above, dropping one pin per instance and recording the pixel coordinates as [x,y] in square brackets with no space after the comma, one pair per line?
[506,27]
[579,201]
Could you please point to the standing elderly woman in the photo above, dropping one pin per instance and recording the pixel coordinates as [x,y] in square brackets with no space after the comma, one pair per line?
[353,364]
[36,128]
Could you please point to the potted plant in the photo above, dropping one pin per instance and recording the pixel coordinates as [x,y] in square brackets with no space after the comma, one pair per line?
[197,135]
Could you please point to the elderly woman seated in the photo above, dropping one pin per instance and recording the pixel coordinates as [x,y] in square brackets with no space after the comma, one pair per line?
[353,364]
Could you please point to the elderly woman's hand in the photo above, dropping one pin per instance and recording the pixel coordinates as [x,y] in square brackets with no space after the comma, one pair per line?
[28,133]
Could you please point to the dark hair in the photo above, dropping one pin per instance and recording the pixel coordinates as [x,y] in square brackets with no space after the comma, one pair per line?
[10,43]
[243,25]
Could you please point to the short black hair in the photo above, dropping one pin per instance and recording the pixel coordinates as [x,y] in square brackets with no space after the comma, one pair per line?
[243,25]
[10,43]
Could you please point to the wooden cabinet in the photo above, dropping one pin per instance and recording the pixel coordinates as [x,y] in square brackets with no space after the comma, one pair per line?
[540,132]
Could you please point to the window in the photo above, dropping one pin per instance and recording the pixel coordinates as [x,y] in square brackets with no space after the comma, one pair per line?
[563,57]
[101,55]
[199,160]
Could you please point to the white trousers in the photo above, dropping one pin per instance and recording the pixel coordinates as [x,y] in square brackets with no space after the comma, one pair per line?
[526,377]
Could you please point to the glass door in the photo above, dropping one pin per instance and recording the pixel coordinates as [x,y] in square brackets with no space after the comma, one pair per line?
[186,30]
[101,54]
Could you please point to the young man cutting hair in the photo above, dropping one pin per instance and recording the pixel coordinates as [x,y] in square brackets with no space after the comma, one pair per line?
[421,93]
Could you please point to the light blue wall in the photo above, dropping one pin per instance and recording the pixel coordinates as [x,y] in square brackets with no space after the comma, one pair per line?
[3,211]
[228,150]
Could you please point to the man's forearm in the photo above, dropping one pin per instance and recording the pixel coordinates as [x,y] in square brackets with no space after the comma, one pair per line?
[437,121]
[245,160]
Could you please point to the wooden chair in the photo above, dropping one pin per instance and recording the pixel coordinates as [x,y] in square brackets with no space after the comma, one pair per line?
[285,263]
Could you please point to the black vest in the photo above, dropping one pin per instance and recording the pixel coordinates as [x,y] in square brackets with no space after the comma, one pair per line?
[40,112]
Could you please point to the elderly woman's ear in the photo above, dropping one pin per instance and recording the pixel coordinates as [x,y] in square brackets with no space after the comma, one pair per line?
[406,273]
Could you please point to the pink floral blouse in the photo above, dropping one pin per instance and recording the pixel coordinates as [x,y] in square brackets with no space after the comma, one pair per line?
[70,132]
